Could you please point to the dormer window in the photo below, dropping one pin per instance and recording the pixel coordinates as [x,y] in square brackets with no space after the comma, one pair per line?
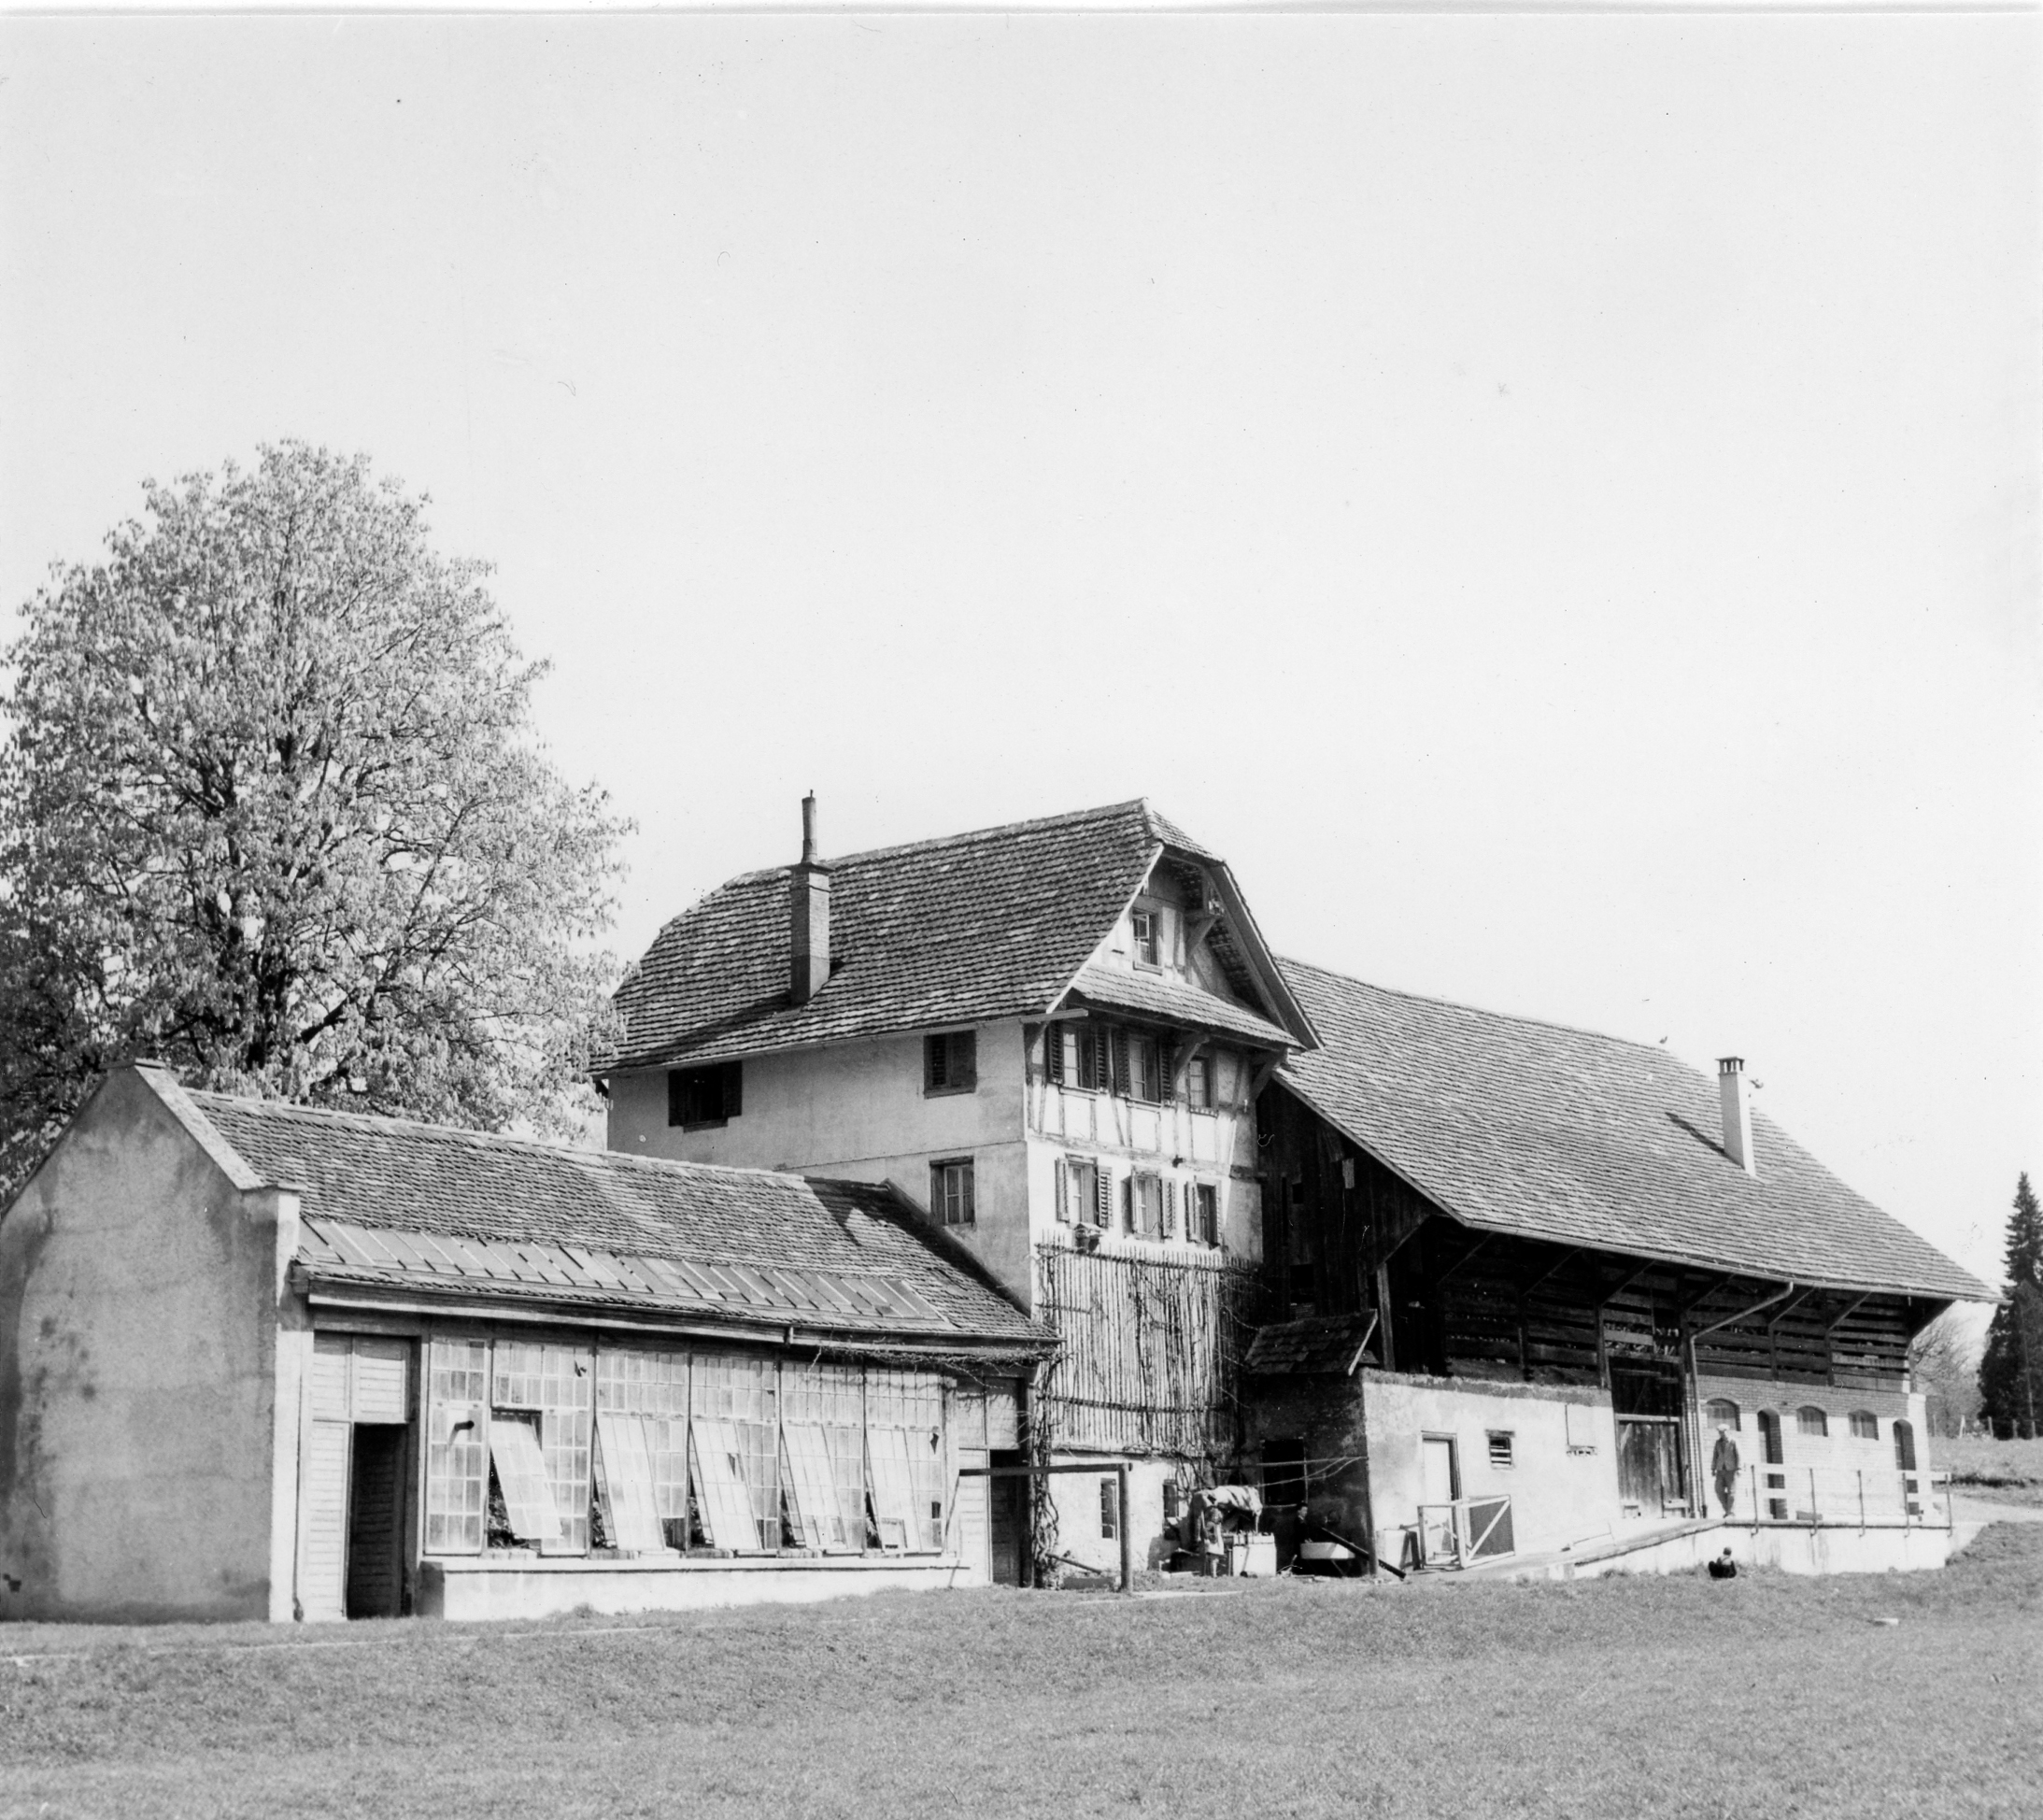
[1148,936]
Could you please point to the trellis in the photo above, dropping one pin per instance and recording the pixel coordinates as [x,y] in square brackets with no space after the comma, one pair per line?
[1149,1354]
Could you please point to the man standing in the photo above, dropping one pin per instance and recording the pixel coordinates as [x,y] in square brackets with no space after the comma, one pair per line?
[1723,1467]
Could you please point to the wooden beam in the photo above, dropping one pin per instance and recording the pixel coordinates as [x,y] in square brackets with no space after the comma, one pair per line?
[1482,1239]
[1607,1295]
[1694,1303]
[1850,1309]
[1547,1275]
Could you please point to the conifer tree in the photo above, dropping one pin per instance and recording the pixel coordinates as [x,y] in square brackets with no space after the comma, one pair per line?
[2011,1366]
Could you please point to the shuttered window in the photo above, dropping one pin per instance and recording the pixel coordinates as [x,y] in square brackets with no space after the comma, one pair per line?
[1102,1198]
[1207,1197]
[950,1062]
[1143,926]
[952,1195]
[698,1096]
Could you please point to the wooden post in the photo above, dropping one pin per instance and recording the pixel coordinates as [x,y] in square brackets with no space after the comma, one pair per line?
[1128,1541]
[1862,1500]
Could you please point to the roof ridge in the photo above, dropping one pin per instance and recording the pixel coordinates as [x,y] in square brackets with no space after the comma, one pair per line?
[506,1141]
[965,838]
[1484,1010]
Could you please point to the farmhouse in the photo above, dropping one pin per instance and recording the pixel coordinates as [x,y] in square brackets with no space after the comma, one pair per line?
[930,1169]
[258,1360]
[1446,1285]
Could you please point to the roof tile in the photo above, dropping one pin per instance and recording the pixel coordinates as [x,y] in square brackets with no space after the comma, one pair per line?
[1547,1132]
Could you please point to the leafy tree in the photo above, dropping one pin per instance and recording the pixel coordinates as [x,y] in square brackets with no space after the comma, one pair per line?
[1944,1365]
[2011,1366]
[272,808]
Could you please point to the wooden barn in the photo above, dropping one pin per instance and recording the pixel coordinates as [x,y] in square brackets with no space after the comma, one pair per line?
[1537,1287]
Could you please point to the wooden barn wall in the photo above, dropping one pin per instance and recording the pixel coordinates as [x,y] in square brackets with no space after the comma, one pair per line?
[1459,1303]
[1331,1212]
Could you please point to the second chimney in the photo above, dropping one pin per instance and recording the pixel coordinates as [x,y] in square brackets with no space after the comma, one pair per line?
[808,906]
[1737,1112]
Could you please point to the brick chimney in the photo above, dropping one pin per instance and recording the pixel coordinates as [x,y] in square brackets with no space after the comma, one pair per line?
[1737,1101]
[808,896]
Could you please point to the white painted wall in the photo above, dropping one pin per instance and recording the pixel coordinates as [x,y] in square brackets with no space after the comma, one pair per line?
[1558,1497]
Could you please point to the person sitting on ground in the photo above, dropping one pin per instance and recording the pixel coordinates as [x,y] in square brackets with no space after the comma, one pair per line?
[1723,1566]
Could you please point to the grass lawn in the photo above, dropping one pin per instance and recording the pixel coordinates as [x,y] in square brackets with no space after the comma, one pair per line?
[1918,1694]
[1999,1471]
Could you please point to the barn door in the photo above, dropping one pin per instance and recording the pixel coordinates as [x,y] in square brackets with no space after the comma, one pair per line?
[322,1526]
[1645,1399]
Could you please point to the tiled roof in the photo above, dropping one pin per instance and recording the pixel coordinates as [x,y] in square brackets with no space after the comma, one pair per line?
[1518,1127]
[1322,1346]
[1178,1001]
[686,1235]
[964,930]
[337,1252]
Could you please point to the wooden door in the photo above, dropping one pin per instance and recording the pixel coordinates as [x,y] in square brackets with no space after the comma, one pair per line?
[322,1527]
[1649,1462]
[1009,1520]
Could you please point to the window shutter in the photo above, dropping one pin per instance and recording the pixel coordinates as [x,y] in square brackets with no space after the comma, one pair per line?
[967,1194]
[1128,1204]
[1102,1198]
[965,1059]
[932,1063]
[1117,1051]
[1169,1209]
[733,1088]
[1167,1088]
[1053,1054]
[1060,1192]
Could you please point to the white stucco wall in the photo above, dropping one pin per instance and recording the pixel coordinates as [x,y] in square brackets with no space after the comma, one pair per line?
[148,1392]
[1558,1495]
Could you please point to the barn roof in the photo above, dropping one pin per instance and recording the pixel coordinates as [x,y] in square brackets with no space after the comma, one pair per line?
[969,928]
[1535,1130]
[388,1203]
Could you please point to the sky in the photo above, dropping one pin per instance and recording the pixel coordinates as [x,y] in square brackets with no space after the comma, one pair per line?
[1553,499]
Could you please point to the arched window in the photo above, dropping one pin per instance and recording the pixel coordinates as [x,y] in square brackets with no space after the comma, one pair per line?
[1864,1424]
[1721,1412]
[1809,1419]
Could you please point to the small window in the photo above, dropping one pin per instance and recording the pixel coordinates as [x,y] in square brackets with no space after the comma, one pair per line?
[702,1096]
[1809,1419]
[1144,923]
[1110,1509]
[1145,1197]
[1198,1084]
[1864,1424]
[1148,1062]
[1206,1197]
[1500,1448]
[1174,1503]
[1078,1191]
[1721,1413]
[951,1192]
[950,1062]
